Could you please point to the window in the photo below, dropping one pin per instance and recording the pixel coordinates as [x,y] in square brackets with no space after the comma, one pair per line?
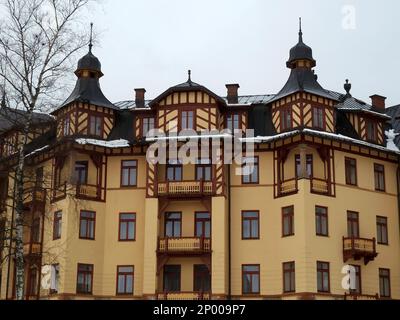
[356,289]
[289,277]
[172,278]
[384,283]
[382,230]
[148,124]
[36,230]
[251,171]
[203,225]
[353,224]
[379,177]
[372,131]
[309,166]
[81,172]
[174,171]
[233,122]
[318,118]
[55,278]
[127,227]
[87,225]
[251,279]
[202,279]
[129,171]
[67,126]
[95,126]
[250,225]
[288,221]
[323,277]
[286,119]
[321,221]
[125,277]
[57,226]
[204,171]
[173,225]
[187,120]
[351,171]
[39,178]
[85,279]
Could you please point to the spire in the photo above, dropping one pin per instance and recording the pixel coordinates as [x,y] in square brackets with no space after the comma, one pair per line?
[91,38]
[300,31]
[347,87]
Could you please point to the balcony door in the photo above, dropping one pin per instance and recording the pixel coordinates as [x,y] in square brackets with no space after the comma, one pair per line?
[172,278]
[81,172]
[203,225]
[353,224]
[173,225]
[202,279]
[174,172]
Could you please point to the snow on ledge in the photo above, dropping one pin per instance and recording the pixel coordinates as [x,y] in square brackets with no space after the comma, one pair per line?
[101,143]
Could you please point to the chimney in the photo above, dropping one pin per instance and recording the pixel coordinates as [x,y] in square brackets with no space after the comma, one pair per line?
[140,97]
[233,97]
[378,102]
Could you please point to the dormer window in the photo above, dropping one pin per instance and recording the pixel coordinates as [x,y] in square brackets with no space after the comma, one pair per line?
[187,120]
[286,119]
[148,124]
[318,118]
[372,131]
[233,122]
[96,126]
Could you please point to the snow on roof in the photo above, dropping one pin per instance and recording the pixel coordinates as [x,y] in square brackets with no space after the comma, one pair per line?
[107,144]
[37,151]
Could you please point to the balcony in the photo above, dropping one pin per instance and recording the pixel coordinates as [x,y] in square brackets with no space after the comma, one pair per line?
[35,195]
[32,249]
[184,246]
[59,193]
[320,186]
[186,189]
[89,192]
[184,296]
[288,187]
[356,296]
[359,248]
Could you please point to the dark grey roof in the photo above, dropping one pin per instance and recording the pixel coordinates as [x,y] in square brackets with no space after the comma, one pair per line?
[87,90]
[123,128]
[300,52]
[14,118]
[131,104]
[303,80]
[394,113]
[89,62]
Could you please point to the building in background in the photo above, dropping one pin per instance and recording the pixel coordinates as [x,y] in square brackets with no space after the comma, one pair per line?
[324,194]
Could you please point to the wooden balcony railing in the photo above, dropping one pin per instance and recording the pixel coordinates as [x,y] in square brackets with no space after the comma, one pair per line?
[181,296]
[89,191]
[185,188]
[359,248]
[32,249]
[320,186]
[59,192]
[288,187]
[356,296]
[184,245]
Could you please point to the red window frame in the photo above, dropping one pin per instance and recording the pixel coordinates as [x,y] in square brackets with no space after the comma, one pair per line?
[382,230]
[127,221]
[286,115]
[323,269]
[201,168]
[98,123]
[125,276]
[289,268]
[188,120]
[353,224]
[201,278]
[250,220]
[81,172]
[318,116]
[175,222]
[147,124]
[309,165]
[358,290]
[176,168]
[253,275]
[288,218]
[379,174]
[87,275]
[233,122]
[131,171]
[172,270]
[371,128]
[200,219]
[350,170]
[321,213]
[385,283]
[253,178]
[90,224]
[57,225]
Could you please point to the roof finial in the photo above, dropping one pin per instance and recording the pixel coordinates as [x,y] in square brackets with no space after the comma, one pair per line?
[347,87]
[300,31]
[91,37]
[190,75]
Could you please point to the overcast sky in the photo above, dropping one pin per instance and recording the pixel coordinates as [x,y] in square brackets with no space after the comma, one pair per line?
[153,43]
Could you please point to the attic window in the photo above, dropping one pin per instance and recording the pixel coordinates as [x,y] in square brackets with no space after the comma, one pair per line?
[372,131]
[96,126]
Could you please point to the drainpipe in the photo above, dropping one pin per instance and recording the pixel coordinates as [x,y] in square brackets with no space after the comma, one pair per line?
[230,234]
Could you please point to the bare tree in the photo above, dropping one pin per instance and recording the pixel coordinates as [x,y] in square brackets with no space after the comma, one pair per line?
[38,41]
